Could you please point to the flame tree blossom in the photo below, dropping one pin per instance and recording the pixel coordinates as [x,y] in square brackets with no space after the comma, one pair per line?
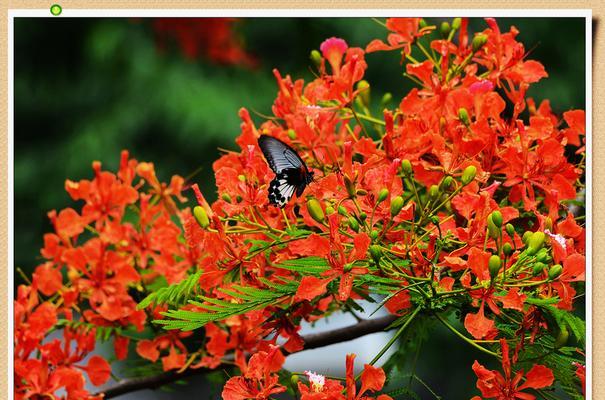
[451,205]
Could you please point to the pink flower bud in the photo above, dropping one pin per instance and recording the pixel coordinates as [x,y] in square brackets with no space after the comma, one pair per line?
[333,49]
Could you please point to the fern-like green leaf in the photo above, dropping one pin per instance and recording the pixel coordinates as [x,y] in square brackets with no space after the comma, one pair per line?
[102,333]
[246,299]
[305,265]
[404,393]
[565,319]
[176,294]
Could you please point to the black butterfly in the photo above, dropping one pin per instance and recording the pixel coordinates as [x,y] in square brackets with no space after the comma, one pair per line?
[291,172]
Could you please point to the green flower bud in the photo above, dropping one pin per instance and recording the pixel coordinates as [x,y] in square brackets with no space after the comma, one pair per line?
[526,236]
[374,234]
[494,265]
[361,192]
[292,134]
[242,178]
[538,268]
[535,242]
[468,174]
[375,252]
[201,216]
[433,192]
[510,229]
[364,92]
[456,23]
[350,186]
[347,268]
[463,116]
[226,197]
[330,210]
[542,255]
[359,102]
[446,183]
[343,211]
[382,195]
[497,218]
[315,57]
[492,229]
[555,271]
[562,337]
[478,42]
[294,380]
[396,205]
[363,216]
[422,23]
[315,210]
[238,198]
[445,28]
[507,249]
[386,99]
[354,224]
[406,167]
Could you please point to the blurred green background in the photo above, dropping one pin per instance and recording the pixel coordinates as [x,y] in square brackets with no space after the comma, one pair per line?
[87,88]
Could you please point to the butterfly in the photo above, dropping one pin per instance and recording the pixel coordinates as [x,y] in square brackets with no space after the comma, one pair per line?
[291,172]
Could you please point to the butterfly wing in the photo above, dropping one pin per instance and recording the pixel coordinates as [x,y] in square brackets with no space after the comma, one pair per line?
[282,188]
[279,155]
[291,172]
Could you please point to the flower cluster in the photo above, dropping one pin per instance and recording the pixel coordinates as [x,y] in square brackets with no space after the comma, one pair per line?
[455,205]
[96,261]
[212,38]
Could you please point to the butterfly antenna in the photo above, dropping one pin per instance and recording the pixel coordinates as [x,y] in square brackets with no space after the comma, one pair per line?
[226,151]
[259,114]
[528,52]
[193,174]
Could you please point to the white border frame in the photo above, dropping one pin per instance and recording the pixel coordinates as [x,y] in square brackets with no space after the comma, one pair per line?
[306,13]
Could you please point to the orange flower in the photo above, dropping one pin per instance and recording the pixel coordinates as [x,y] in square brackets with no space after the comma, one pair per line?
[494,385]
[259,380]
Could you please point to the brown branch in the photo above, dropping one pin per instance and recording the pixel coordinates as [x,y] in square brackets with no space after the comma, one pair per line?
[312,341]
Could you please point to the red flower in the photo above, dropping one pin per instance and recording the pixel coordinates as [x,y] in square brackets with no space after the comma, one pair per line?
[479,326]
[574,269]
[405,31]
[47,279]
[372,379]
[494,385]
[311,287]
[151,349]
[259,380]
[212,38]
[106,196]
[581,374]
[98,370]
[320,388]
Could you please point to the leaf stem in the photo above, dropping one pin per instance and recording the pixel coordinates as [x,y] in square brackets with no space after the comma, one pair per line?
[469,341]
[395,336]
[427,387]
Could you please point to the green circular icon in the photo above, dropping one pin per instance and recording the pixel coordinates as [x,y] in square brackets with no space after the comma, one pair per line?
[55,9]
